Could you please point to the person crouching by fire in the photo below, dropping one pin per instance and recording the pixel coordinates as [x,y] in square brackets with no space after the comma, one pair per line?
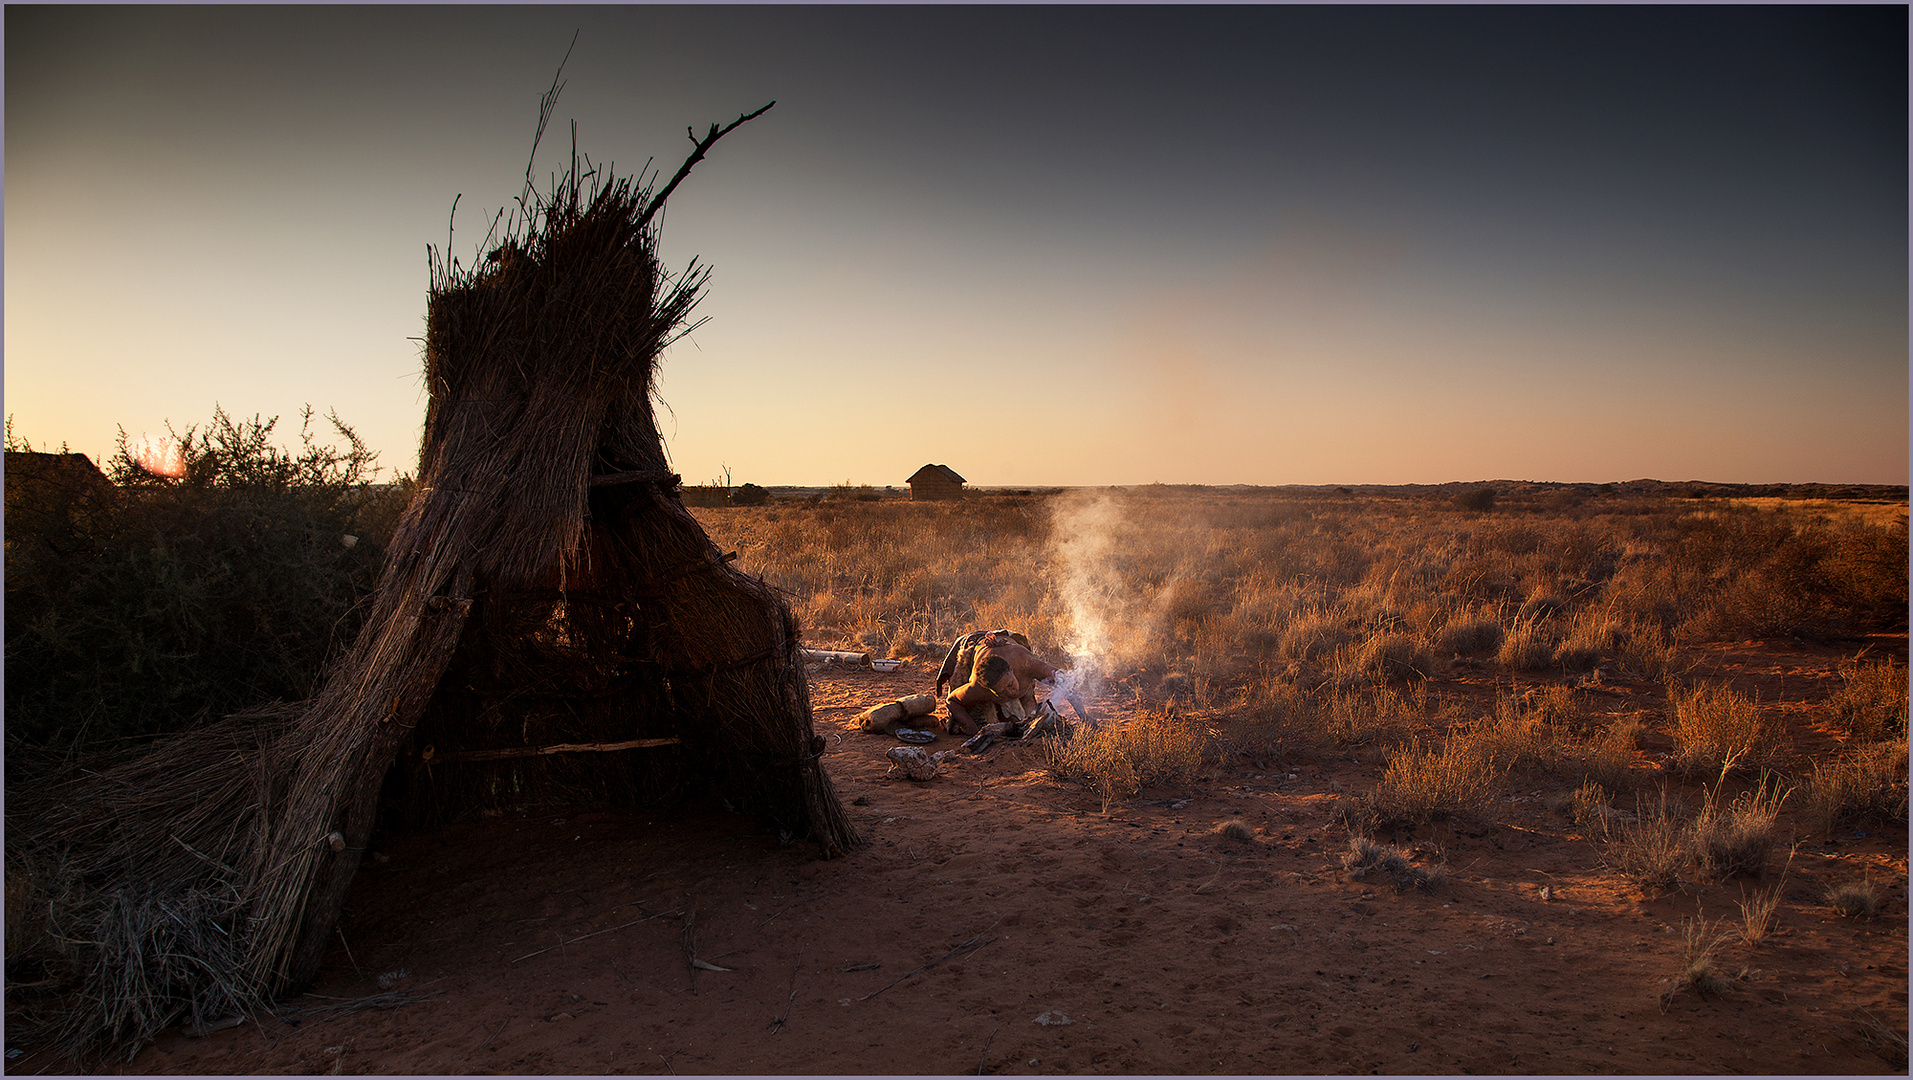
[1013,695]
[989,697]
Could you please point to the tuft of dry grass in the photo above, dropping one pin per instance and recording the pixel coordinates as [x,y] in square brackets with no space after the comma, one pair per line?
[1886,1041]
[1365,857]
[1528,645]
[1867,783]
[1700,948]
[1423,783]
[1591,637]
[1590,805]
[1738,838]
[1166,748]
[1650,851]
[1234,829]
[1387,655]
[1855,899]
[1471,633]
[1717,730]
[1759,914]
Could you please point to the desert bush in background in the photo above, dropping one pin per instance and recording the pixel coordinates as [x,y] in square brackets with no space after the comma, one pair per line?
[187,598]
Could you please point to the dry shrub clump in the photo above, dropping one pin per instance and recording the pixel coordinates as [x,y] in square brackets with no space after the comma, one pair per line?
[1716,729]
[1590,804]
[1386,655]
[1534,735]
[1234,829]
[1737,838]
[1855,899]
[1868,783]
[1280,718]
[1650,851]
[1871,703]
[1155,748]
[1423,783]
[1365,857]
[1470,633]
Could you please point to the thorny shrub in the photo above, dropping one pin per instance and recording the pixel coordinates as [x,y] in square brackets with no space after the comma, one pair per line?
[182,599]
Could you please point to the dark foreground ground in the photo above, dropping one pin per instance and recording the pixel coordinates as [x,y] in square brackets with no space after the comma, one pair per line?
[999,922]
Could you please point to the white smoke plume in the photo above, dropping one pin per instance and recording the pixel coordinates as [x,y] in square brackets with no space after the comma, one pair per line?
[1093,539]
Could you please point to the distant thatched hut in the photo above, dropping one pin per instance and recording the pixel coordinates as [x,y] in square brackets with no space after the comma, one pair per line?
[551,623]
[935,482]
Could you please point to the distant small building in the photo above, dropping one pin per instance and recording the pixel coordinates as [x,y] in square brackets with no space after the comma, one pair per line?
[935,482]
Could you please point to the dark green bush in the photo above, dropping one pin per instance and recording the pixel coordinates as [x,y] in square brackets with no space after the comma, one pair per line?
[1480,499]
[150,604]
[749,495]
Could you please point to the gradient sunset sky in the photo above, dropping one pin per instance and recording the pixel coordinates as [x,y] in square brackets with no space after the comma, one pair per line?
[1078,245]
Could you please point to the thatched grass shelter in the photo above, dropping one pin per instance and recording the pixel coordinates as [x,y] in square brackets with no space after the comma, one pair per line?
[551,624]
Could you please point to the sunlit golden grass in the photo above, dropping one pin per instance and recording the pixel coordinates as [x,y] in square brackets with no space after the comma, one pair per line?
[1717,729]
[1218,583]
[1871,703]
[1317,621]
[1423,783]
[1116,762]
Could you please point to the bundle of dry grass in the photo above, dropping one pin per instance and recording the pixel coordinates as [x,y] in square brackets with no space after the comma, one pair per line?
[551,623]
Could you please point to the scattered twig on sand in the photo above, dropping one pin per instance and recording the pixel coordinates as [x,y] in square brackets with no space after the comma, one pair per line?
[969,946]
[394,999]
[798,903]
[348,952]
[986,1050]
[666,1058]
[494,1034]
[595,933]
[777,1023]
[690,946]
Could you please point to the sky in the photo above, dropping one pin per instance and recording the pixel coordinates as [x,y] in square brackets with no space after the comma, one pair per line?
[1043,246]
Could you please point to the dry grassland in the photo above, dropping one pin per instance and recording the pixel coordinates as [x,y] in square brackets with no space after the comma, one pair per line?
[1319,621]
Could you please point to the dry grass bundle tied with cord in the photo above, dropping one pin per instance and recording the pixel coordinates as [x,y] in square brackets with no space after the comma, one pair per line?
[551,624]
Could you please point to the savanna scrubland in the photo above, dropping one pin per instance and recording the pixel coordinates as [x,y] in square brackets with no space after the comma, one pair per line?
[1521,778]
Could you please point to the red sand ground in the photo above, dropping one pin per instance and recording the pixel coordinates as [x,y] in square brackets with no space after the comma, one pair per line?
[999,922]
